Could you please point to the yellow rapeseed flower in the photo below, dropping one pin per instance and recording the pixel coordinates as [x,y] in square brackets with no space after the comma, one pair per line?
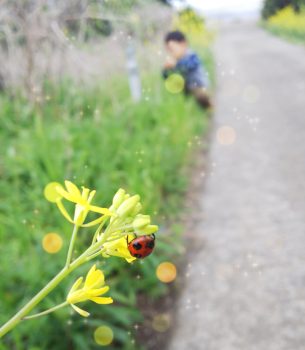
[118,247]
[82,200]
[91,289]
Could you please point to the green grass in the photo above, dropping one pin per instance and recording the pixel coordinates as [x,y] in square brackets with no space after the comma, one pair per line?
[95,137]
[291,36]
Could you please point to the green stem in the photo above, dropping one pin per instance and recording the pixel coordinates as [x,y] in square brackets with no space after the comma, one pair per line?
[17,318]
[99,229]
[71,246]
[94,255]
[52,309]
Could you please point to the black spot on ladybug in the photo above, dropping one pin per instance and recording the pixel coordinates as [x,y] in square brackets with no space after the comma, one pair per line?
[150,244]
[137,246]
[138,256]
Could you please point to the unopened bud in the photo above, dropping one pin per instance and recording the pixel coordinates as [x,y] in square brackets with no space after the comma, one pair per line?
[136,210]
[118,198]
[141,221]
[148,230]
[128,205]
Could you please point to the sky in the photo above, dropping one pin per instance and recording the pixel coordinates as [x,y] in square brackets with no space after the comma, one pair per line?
[226,6]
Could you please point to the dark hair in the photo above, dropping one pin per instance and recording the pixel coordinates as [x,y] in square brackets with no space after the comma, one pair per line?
[175,36]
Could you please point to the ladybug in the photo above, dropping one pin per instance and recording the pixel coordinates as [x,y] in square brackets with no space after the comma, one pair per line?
[142,246]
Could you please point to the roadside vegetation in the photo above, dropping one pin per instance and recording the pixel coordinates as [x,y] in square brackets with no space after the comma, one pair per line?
[287,22]
[97,136]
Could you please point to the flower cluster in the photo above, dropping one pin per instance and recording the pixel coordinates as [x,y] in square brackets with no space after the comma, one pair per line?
[125,222]
[121,222]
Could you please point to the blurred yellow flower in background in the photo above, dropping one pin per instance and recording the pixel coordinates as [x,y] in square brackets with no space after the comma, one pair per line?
[52,243]
[193,25]
[50,192]
[166,272]
[288,21]
[103,335]
[92,289]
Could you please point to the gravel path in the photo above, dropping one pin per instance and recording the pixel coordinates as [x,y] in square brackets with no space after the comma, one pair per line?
[245,284]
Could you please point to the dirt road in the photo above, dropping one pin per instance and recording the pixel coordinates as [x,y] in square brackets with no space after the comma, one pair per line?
[245,284]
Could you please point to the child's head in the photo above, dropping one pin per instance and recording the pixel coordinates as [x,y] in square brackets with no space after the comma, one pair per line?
[176,44]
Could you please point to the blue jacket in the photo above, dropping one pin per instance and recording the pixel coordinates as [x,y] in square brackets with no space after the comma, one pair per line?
[191,68]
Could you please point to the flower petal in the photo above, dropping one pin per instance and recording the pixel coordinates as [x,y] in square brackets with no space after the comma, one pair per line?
[80,311]
[97,292]
[102,300]
[118,248]
[72,189]
[91,195]
[85,193]
[66,195]
[94,222]
[76,284]
[63,210]
[90,272]
[100,210]
[94,278]
[129,260]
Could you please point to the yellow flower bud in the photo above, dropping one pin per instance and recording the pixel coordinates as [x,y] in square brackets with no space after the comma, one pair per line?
[141,221]
[128,206]
[136,210]
[148,230]
[118,198]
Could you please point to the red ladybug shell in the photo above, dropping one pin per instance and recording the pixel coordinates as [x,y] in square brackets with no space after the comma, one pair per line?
[141,246]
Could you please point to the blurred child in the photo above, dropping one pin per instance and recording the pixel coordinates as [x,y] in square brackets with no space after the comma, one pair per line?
[184,61]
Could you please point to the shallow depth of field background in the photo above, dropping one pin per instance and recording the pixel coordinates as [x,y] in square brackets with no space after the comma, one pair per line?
[67,112]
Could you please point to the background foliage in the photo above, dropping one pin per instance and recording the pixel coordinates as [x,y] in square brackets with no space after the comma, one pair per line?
[287,19]
[270,7]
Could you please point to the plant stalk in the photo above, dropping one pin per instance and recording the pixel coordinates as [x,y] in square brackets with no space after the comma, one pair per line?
[71,246]
[26,309]
[52,309]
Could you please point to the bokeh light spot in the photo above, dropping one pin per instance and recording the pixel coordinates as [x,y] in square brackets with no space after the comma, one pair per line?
[226,135]
[174,83]
[166,272]
[161,322]
[52,243]
[50,191]
[103,335]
